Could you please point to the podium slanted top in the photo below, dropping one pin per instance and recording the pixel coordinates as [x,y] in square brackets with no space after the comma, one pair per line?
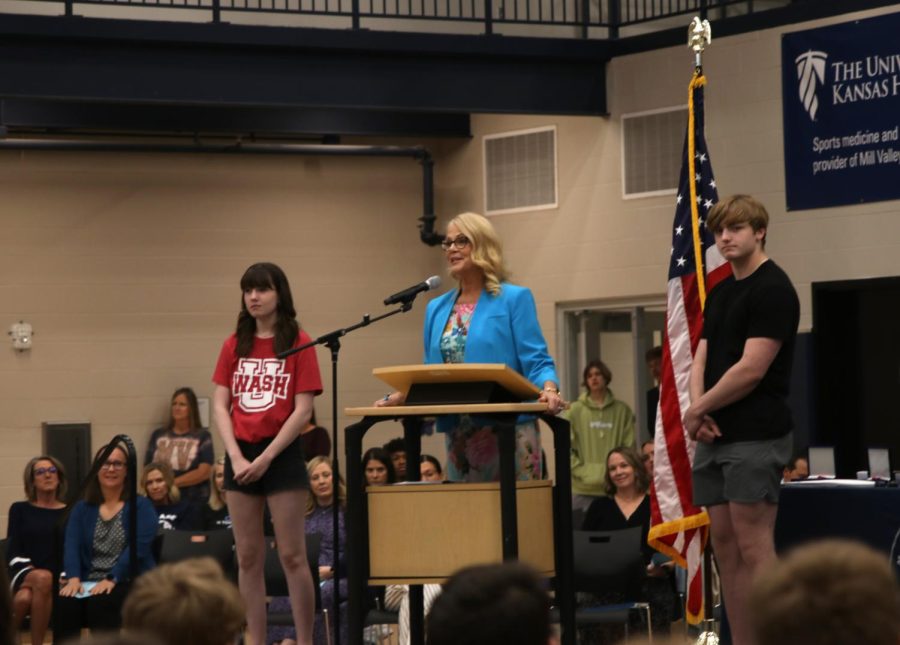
[404,377]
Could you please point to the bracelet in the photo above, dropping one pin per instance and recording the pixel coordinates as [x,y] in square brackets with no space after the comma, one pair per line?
[551,389]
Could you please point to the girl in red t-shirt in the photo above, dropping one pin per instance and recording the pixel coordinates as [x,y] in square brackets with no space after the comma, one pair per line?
[261,403]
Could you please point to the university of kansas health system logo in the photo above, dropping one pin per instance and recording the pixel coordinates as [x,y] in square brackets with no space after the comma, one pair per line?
[810,73]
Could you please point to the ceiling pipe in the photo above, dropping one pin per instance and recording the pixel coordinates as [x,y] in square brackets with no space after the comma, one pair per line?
[427,221]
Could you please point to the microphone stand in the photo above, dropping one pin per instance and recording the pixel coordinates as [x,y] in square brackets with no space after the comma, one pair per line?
[332,341]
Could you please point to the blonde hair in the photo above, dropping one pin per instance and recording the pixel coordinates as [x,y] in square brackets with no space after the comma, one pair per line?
[216,501]
[738,209]
[487,251]
[311,502]
[171,489]
[190,601]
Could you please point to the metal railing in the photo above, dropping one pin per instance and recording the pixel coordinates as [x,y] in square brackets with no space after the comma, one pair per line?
[611,15]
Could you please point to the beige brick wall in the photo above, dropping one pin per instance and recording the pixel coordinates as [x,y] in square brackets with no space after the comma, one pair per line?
[127,265]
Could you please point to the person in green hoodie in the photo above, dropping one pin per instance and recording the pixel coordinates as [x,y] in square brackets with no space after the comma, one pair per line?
[600,422]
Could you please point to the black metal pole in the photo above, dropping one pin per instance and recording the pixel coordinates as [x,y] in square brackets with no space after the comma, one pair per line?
[412,438]
[506,440]
[565,595]
[357,548]
[335,346]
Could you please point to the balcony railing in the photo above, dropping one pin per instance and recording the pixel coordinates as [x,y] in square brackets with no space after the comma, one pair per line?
[484,16]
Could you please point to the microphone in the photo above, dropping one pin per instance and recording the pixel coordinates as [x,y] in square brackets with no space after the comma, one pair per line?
[408,295]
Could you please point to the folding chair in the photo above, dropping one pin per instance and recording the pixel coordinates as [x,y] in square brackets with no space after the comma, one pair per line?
[608,561]
[218,544]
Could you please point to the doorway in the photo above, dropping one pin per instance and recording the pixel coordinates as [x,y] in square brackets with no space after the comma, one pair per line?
[619,334]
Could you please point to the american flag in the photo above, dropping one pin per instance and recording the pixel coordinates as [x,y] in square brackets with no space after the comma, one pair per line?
[678,528]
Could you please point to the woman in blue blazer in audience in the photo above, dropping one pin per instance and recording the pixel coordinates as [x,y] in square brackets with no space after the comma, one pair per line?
[97,559]
[486,320]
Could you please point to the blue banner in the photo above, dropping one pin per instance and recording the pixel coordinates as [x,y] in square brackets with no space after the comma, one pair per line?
[841,104]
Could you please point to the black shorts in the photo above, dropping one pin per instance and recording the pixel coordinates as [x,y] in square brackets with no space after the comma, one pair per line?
[286,472]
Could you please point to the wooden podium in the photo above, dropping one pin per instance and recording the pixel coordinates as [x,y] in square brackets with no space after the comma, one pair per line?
[489,390]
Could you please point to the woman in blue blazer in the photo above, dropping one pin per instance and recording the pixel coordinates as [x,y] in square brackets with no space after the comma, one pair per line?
[97,559]
[486,320]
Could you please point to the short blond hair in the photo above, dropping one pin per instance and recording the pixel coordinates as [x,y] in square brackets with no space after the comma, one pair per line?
[487,250]
[186,602]
[830,592]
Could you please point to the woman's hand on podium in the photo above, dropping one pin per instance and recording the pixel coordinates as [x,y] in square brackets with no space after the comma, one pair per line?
[394,398]
[551,396]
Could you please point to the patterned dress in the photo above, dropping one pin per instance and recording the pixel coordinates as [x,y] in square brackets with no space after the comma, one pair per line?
[472,451]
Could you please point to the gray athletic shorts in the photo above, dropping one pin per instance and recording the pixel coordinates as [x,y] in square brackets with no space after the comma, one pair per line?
[743,471]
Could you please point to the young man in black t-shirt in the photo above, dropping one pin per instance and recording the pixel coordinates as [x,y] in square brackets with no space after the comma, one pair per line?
[739,414]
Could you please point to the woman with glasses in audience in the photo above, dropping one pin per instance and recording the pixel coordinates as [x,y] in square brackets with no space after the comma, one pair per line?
[34,543]
[97,561]
[486,320]
[185,445]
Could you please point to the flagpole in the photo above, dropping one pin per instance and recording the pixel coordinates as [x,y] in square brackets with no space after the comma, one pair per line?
[699,38]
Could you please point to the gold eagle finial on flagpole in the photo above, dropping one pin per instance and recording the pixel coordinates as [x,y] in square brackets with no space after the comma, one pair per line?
[699,38]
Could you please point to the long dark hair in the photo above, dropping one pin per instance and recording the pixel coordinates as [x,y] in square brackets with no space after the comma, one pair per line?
[93,494]
[379,454]
[265,275]
[192,404]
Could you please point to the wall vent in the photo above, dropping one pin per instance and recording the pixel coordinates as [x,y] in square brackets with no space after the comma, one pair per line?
[520,170]
[651,151]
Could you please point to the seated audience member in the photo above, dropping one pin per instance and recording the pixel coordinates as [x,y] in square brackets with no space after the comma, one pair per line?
[430,469]
[627,505]
[319,520]
[833,592]
[490,604]
[185,446]
[97,560]
[653,359]
[378,469]
[316,442]
[34,543]
[396,449]
[797,469]
[175,513]
[215,511]
[8,634]
[396,598]
[186,602]
[647,450]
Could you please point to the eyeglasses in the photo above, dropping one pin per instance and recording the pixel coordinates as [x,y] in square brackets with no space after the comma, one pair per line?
[112,465]
[44,471]
[460,242]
